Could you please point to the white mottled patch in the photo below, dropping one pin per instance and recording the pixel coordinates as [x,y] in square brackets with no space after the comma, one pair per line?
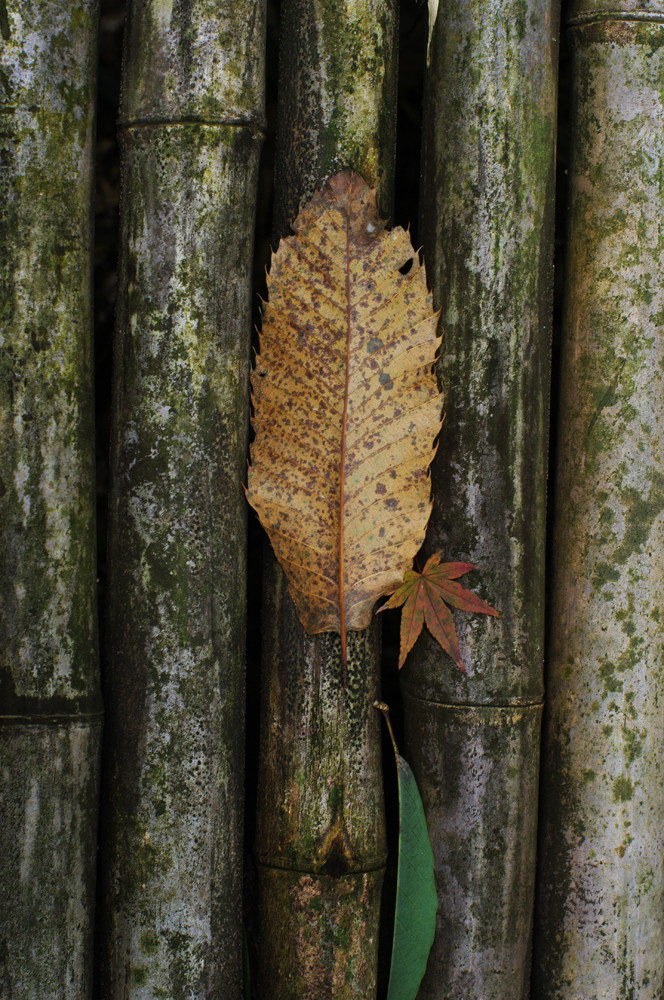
[21,476]
[62,665]
[30,819]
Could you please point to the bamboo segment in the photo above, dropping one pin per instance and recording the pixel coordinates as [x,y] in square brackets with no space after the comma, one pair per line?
[328,929]
[321,836]
[192,111]
[487,219]
[600,927]
[489,774]
[337,98]
[50,707]
[321,832]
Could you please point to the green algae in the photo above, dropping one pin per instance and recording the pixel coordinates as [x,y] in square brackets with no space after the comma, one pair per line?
[633,745]
[622,789]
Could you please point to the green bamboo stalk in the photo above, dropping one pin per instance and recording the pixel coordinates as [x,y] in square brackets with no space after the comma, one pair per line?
[50,707]
[321,831]
[487,221]
[191,116]
[600,931]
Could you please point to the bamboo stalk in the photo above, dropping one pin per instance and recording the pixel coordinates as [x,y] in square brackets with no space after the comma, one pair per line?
[600,931]
[50,707]
[321,834]
[191,121]
[487,221]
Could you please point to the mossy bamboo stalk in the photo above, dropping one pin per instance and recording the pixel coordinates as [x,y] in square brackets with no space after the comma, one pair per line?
[321,832]
[487,221]
[192,119]
[600,929]
[50,705]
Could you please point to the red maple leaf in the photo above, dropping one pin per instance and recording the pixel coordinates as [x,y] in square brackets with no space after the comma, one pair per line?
[426,596]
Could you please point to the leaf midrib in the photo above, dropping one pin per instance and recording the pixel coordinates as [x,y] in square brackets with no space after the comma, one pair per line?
[342,456]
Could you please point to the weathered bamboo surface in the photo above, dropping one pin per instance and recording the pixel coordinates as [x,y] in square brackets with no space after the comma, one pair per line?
[600,932]
[50,707]
[487,220]
[337,98]
[192,117]
[321,835]
[321,832]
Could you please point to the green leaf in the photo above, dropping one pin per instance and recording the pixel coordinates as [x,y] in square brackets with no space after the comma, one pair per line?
[417,902]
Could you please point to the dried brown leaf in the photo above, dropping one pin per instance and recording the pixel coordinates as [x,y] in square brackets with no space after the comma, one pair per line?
[346,407]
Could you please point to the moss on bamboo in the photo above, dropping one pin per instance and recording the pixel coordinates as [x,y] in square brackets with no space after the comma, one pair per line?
[47,865]
[321,838]
[49,682]
[320,805]
[48,630]
[193,107]
[337,105]
[486,865]
[177,551]
[195,60]
[322,931]
[487,215]
[487,227]
[599,928]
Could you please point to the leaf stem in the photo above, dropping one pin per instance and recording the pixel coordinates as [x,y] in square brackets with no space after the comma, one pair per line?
[385,709]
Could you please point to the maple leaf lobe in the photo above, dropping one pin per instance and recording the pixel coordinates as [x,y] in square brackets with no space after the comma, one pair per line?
[425,598]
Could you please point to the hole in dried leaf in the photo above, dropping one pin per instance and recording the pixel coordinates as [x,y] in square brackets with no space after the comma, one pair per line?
[406,267]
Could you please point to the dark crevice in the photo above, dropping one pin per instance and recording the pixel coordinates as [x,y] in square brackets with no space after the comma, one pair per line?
[4,21]
[255,534]
[184,122]
[105,276]
[413,27]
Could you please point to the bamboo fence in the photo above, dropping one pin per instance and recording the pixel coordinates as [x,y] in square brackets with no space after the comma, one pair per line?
[171,858]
